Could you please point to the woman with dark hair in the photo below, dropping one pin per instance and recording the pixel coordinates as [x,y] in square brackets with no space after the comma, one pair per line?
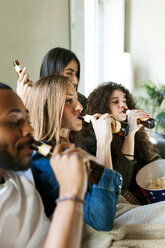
[129,154]
[61,61]
[57,61]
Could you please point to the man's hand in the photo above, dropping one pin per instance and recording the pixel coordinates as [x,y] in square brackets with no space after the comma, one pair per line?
[71,167]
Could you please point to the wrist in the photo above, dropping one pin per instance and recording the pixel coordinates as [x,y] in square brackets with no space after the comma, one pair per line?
[73,199]
[64,193]
[74,206]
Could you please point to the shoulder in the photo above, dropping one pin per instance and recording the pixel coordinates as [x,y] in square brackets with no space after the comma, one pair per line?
[40,162]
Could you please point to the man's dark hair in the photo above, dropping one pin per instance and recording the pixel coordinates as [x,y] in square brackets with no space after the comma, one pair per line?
[4,86]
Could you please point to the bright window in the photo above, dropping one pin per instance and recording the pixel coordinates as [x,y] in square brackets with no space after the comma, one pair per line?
[97,38]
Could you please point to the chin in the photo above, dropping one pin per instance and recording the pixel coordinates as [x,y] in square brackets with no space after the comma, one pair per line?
[122,118]
[77,128]
[25,163]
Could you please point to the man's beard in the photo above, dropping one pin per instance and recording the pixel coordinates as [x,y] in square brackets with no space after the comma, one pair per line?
[8,162]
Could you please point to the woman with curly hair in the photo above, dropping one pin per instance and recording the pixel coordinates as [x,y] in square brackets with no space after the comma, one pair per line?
[131,153]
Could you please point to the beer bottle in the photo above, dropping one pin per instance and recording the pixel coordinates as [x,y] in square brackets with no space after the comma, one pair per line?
[149,123]
[121,128]
[96,170]
[17,67]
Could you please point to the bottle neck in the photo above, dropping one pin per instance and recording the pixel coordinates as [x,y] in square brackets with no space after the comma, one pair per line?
[149,123]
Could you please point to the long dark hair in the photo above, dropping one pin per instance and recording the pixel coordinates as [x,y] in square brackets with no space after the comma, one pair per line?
[56,60]
[98,102]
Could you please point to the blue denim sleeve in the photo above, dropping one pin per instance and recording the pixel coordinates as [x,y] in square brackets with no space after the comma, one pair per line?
[45,182]
[101,201]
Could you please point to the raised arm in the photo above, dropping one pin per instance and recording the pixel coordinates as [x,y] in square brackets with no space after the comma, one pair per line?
[102,125]
[129,142]
[70,168]
[23,85]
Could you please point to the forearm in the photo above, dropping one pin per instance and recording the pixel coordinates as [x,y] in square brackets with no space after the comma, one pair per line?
[103,155]
[129,145]
[66,226]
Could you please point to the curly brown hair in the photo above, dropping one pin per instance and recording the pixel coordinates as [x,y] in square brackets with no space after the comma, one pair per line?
[98,102]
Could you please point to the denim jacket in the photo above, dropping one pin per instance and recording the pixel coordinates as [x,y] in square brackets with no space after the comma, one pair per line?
[101,199]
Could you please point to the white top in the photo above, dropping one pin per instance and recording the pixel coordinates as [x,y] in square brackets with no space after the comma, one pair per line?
[23,223]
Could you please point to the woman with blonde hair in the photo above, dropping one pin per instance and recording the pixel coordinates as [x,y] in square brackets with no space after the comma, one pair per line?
[55,112]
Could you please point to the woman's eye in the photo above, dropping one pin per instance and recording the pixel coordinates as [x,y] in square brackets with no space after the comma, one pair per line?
[68,101]
[116,102]
[13,124]
[69,73]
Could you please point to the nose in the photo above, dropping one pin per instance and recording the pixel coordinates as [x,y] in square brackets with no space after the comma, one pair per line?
[74,80]
[78,106]
[122,104]
[27,129]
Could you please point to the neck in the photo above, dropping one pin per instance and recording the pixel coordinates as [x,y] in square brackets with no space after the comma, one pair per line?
[64,135]
[2,171]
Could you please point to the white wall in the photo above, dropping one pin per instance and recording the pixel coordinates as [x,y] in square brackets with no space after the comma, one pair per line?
[28,29]
[145,39]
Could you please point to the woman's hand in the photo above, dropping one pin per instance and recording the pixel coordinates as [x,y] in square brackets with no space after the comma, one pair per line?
[23,85]
[102,125]
[133,115]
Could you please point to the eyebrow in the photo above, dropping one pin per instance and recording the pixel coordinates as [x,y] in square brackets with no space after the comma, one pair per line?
[70,69]
[69,94]
[16,111]
[116,97]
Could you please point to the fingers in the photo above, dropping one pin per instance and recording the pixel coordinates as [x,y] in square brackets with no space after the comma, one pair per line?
[70,150]
[100,117]
[24,78]
[137,113]
[22,74]
[59,148]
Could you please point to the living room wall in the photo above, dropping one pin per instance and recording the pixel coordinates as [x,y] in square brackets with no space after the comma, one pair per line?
[28,30]
[145,39]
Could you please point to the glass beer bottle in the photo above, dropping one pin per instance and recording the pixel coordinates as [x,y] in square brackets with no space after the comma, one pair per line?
[149,122]
[121,128]
[96,170]
[18,68]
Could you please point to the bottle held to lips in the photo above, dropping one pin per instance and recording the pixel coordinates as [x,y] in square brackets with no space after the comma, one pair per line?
[149,122]
[96,170]
[43,148]
[18,68]
[120,128]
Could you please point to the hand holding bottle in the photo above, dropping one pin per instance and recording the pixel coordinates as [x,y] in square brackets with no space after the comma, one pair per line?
[23,84]
[71,167]
[102,125]
[132,117]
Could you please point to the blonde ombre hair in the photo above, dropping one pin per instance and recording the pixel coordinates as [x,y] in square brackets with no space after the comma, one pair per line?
[45,103]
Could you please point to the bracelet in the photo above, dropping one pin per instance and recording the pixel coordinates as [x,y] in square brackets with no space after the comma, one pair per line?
[130,155]
[72,198]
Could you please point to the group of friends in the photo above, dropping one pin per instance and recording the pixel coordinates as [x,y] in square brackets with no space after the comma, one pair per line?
[44,201]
